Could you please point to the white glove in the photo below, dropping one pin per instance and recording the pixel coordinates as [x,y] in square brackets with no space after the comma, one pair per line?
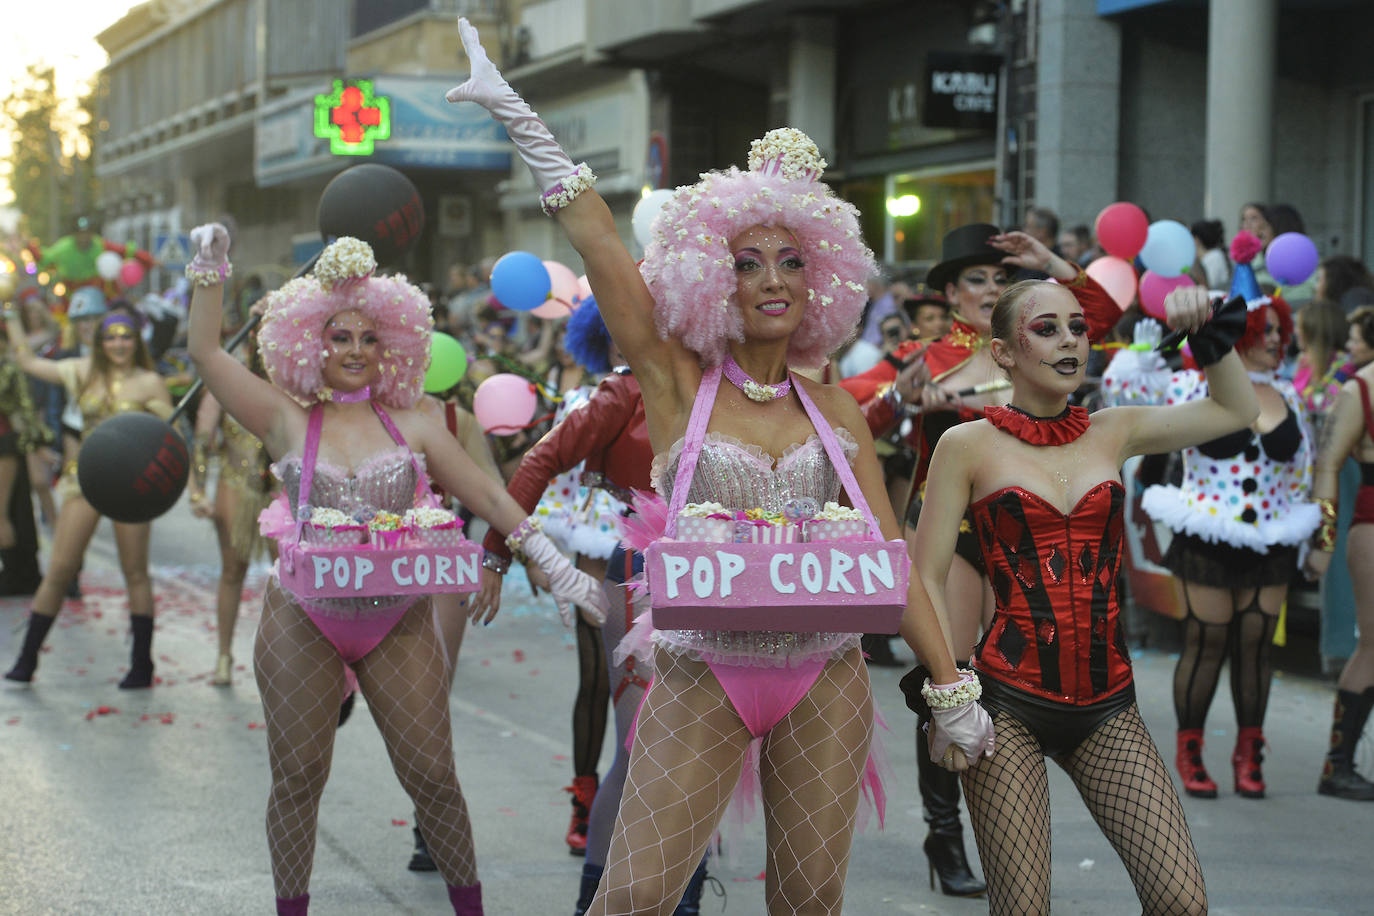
[485,86]
[1148,333]
[211,242]
[568,584]
[969,726]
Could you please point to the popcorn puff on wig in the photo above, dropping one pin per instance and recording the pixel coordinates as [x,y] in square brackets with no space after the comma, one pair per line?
[291,339]
[690,269]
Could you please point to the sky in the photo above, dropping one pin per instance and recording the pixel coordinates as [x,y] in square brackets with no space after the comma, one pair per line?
[59,32]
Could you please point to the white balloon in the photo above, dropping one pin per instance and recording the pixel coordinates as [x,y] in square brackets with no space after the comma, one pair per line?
[108,264]
[646,211]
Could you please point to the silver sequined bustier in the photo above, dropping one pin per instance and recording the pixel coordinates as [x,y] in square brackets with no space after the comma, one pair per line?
[743,476]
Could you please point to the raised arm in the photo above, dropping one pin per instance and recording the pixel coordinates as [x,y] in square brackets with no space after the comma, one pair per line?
[621,295]
[1230,403]
[260,406]
[45,370]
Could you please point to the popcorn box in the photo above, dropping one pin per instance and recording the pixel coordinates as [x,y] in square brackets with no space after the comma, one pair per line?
[714,530]
[366,571]
[389,538]
[766,533]
[847,529]
[447,534]
[840,587]
[334,535]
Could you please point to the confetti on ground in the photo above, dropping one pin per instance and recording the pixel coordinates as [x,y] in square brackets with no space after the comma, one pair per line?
[398,822]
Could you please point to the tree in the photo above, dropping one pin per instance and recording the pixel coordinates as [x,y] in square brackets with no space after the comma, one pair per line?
[48,168]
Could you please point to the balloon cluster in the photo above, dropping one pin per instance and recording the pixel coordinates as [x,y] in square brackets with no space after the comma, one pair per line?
[520,281]
[111,267]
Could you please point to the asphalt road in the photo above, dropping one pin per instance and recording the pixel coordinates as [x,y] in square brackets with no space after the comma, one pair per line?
[152,802]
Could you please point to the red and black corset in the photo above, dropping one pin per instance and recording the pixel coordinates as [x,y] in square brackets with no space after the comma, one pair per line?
[1057,631]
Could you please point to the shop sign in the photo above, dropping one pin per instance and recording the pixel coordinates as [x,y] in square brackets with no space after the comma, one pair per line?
[961,90]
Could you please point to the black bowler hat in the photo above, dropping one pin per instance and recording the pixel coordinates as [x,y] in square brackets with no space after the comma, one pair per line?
[964,247]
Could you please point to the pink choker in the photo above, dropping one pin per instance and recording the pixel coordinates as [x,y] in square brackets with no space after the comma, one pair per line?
[752,389]
[352,397]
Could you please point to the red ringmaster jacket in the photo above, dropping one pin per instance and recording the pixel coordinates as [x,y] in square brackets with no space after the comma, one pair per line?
[609,433]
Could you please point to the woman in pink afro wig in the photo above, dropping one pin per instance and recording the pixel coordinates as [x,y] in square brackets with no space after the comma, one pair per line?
[748,276]
[690,269]
[291,339]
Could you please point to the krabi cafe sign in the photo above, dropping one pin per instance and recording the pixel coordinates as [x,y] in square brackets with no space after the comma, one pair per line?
[961,90]
[815,587]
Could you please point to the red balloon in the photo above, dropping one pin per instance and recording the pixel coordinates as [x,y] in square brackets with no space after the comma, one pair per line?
[1121,229]
[1117,277]
[1154,289]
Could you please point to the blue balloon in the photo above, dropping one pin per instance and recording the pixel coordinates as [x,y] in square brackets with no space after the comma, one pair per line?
[520,281]
[1169,248]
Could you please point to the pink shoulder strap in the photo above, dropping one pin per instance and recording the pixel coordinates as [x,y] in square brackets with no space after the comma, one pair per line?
[312,450]
[695,437]
[692,441]
[832,448]
[422,489]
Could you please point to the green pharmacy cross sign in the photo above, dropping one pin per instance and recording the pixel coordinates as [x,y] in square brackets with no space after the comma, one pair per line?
[351,117]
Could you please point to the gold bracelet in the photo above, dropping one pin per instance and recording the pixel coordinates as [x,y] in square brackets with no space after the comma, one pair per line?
[1324,538]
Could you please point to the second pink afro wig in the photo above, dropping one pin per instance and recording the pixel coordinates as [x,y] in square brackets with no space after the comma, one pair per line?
[690,269]
[291,339]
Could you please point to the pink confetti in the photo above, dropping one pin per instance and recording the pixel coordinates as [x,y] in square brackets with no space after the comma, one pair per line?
[486,663]
[256,725]
[518,655]
[560,756]
[398,822]
[12,721]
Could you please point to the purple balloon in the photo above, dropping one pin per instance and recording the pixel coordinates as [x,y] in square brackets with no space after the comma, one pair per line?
[1291,258]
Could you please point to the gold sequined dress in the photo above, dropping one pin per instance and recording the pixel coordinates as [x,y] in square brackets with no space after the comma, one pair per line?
[97,405]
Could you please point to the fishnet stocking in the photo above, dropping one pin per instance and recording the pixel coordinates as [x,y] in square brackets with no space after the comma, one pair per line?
[1123,781]
[689,748]
[301,678]
[1252,640]
[1198,669]
[593,696]
[626,694]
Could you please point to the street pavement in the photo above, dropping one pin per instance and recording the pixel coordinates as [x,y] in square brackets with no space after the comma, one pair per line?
[152,802]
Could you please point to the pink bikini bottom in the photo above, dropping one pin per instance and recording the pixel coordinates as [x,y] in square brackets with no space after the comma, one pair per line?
[764,696]
[354,637]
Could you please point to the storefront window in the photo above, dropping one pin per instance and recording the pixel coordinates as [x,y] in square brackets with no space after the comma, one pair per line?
[921,207]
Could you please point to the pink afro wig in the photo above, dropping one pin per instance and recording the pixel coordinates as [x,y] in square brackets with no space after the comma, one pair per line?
[690,269]
[291,338]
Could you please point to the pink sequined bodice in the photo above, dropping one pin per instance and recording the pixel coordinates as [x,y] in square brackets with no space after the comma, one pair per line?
[386,481]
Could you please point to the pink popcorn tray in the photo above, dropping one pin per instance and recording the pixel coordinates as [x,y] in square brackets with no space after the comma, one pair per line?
[818,587]
[364,571]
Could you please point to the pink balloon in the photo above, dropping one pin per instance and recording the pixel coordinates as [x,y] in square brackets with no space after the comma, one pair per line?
[1121,229]
[504,404]
[584,291]
[1117,278]
[130,273]
[563,282]
[553,309]
[1154,289]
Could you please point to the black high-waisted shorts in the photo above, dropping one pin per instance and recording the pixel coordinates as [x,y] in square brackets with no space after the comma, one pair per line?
[1058,727]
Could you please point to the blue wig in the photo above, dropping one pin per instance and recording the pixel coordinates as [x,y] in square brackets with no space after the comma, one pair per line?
[587,340]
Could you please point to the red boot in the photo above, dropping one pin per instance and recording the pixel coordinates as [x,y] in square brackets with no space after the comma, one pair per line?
[583,792]
[1196,782]
[1246,760]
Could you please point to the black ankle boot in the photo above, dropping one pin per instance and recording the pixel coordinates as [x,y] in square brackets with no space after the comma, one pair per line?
[141,658]
[420,859]
[591,877]
[944,845]
[27,662]
[1339,778]
[690,904]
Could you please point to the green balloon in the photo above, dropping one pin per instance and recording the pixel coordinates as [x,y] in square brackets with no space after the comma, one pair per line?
[447,363]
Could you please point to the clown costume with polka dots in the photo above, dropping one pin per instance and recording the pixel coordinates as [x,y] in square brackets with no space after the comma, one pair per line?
[1239,518]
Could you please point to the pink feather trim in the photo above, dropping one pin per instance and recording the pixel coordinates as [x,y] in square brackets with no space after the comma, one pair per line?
[647,524]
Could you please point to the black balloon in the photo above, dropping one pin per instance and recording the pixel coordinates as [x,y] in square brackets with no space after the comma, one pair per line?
[375,203]
[132,467]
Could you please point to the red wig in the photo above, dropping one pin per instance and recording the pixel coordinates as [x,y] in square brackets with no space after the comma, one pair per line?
[1255,321]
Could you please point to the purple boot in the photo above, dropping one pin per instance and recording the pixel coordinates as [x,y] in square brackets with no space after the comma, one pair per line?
[293,906]
[467,901]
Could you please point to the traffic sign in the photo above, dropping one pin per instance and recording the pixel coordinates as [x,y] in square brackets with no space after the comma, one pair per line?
[172,250]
